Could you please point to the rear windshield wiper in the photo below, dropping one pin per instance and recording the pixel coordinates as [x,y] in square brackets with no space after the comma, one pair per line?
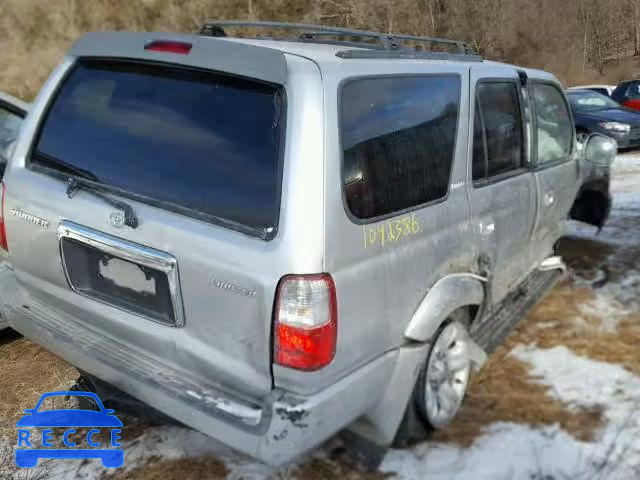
[63,167]
[80,179]
[79,183]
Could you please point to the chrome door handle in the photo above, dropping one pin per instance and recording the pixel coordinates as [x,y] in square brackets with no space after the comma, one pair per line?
[549,198]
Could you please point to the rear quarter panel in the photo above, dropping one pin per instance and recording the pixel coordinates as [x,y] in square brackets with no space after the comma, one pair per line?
[380,287]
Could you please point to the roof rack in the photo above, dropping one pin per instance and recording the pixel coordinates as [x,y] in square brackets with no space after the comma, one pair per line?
[380,45]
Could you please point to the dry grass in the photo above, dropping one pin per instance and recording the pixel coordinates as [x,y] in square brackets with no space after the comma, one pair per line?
[202,468]
[27,372]
[36,34]
[320,469]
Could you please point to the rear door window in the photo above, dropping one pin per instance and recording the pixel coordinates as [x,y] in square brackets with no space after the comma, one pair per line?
[398,139]
[200,143]
[554,128]
[498,108]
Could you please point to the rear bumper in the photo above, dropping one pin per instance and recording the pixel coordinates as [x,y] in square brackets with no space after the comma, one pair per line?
[275,430]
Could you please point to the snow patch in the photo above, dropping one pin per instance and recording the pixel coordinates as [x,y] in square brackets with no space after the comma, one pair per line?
[605,308]
[509,451]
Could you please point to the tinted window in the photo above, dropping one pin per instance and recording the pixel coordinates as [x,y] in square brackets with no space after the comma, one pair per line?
[398,136]
[554,126]
[633,91]
[500,109]
[197,142]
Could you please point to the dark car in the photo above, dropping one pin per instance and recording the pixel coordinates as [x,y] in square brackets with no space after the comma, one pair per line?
[628,94]
[596,113]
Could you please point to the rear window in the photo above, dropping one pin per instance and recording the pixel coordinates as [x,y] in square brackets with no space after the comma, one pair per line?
[398,137]
[200,143]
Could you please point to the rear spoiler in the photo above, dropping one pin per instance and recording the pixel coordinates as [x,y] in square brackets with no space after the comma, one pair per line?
[213,53]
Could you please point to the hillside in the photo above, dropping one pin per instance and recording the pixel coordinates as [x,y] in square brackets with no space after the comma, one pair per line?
[578,40]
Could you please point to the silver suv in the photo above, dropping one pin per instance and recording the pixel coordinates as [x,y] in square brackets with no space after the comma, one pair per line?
[275,239]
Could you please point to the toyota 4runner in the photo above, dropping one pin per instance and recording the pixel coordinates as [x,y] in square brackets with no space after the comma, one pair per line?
[275,239]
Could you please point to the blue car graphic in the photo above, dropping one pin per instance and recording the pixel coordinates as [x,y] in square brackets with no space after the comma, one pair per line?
[69,418]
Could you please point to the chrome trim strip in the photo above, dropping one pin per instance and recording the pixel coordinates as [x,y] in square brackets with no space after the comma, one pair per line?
[133,252]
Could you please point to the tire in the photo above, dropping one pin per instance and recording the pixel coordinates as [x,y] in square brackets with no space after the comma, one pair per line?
[582,135]
[441,385]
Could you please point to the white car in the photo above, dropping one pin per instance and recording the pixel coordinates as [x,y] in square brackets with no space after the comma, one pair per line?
[603,89]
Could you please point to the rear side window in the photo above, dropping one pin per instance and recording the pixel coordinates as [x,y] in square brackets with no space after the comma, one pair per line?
[498,108]
[398,139]
[632,91]
[200,143]
[554,127]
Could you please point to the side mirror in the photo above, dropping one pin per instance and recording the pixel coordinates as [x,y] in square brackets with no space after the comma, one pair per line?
[600,150]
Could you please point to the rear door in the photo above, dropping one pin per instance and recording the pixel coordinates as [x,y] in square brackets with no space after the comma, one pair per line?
[12,114]
[502,191]
[556,170]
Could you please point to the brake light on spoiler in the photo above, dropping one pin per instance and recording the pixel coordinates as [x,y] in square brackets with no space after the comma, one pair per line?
[306,321]
[168,46]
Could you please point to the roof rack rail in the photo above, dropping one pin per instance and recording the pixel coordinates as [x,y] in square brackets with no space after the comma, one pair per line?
[408,54]
[383,41]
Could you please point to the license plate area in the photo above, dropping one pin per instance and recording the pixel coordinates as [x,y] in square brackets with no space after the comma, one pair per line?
[123,274]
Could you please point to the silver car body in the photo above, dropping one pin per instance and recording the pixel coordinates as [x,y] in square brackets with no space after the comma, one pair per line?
[215,372]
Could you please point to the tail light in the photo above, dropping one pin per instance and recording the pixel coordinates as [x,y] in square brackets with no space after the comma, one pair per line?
[306,321]
[3,233]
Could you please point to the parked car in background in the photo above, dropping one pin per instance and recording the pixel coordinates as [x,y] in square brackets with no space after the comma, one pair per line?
[596,113]
[602,89]
[272,241]
[628,94]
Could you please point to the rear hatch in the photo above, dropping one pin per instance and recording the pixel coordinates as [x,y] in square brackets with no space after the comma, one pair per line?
[158,186]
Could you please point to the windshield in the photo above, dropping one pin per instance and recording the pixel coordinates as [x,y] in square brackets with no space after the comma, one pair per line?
[201,143]
[590,102]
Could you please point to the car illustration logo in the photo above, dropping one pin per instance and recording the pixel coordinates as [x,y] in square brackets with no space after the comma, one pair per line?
[70,420]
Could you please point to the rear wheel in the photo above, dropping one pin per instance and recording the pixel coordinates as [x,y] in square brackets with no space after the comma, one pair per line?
[441,385]
[443,381]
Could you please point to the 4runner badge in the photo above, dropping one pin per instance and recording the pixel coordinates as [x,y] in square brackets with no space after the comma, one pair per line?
[41,222]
